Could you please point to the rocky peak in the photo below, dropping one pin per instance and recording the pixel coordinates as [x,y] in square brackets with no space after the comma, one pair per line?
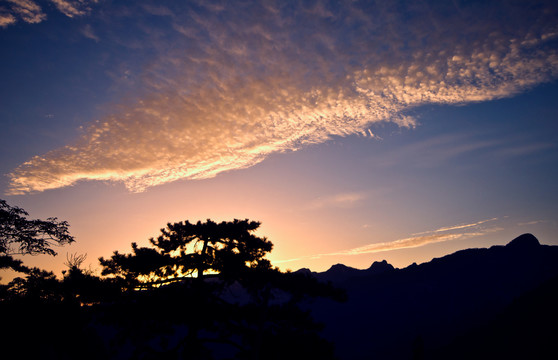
[380,266]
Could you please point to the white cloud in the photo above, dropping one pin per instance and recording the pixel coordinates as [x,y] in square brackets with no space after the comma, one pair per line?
[242,82]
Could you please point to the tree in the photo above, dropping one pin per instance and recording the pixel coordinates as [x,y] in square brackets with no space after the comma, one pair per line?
[184,249]
[22,236]
[208,290]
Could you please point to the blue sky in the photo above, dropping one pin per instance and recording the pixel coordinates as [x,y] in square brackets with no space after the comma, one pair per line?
[355,131]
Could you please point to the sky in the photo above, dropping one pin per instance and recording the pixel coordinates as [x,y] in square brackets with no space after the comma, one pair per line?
[355,131]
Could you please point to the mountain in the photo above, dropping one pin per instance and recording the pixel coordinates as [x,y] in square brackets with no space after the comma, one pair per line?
[339,273]
[400,313]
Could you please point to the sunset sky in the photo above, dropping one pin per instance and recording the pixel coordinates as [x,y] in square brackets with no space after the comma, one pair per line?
[355,131]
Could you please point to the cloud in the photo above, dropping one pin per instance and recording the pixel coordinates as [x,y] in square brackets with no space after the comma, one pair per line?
[72,8]
[534,222]
[27,11]
[437,150]
[464,226]
[31,12]
[410,242]
[231,84]
[88,32]
[449,233]
[157,10]
[338,200]
[416,241]
[525,149]
[6,18]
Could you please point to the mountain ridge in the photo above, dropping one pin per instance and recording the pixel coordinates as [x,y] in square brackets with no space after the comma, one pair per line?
[341,272]
[387,311]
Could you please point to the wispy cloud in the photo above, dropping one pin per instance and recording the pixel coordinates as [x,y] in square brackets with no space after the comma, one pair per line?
[525,149]
[158,10]
[338,200]
[88,32]
[411,242]
[242,82]
[440,149]
[72,8]
[449,233]
[534,222]
[461,226]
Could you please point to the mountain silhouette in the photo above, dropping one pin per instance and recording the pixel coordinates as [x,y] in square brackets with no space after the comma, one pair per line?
[421,309]
[339,273]
[524,241]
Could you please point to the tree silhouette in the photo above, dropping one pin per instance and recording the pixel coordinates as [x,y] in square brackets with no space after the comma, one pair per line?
[201,291]
[22,236]
[221,290]
[184,249]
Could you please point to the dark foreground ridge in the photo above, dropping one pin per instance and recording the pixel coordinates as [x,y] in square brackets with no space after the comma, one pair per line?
[492,303]
[475,303]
